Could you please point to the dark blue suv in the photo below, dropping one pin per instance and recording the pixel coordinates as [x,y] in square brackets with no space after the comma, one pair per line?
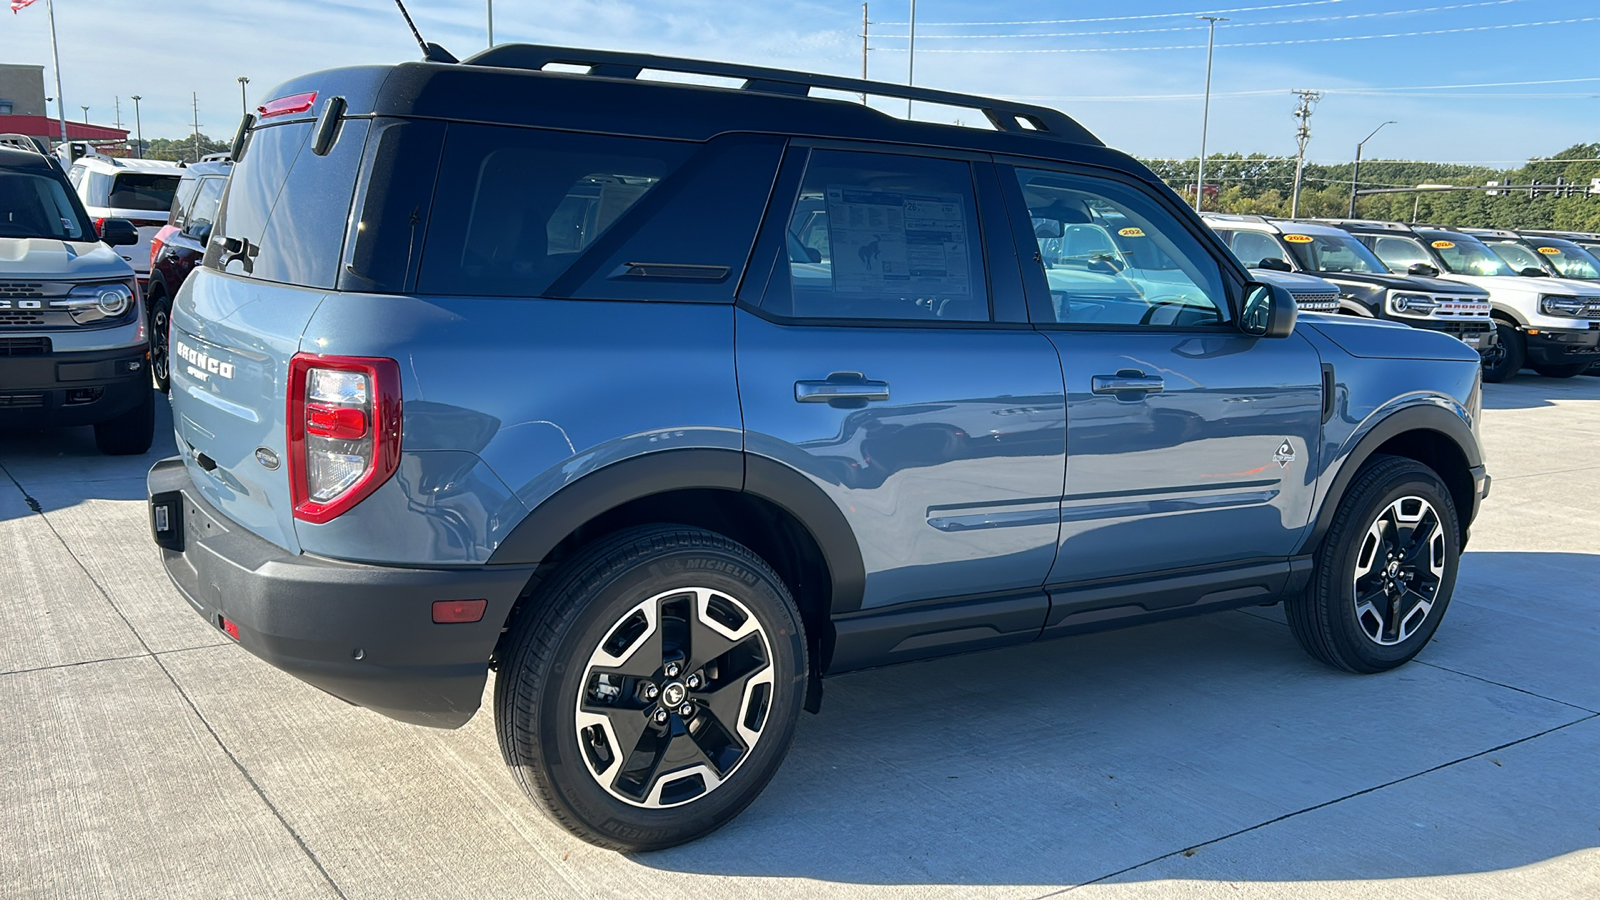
[662,401]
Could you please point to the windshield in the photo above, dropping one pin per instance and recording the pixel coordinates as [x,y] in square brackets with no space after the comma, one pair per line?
[1517,256]
[1571,260]
[1465,255]
[38,206]
[1332,253]
[142,190]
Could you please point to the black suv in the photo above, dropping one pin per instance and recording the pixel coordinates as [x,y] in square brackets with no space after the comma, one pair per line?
[179,246]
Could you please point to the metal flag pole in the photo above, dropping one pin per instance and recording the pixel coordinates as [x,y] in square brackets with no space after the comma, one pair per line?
[61,103]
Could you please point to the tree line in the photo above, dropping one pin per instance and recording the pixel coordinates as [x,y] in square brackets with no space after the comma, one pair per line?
[1261,184]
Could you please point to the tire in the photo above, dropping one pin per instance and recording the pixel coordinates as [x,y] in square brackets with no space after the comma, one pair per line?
[1327,618]
[1565,370]
[1508,355]
[160,323]
[699,771]
[130,433]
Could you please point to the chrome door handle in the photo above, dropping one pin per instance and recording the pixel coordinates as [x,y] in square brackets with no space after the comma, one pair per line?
[1127,381]
[841,387]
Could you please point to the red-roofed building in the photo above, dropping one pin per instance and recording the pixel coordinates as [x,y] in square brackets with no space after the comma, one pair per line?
[46,127]
[24,110]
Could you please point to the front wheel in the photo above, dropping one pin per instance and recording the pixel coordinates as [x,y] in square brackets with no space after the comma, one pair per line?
[1506,357]
[652,690]
[1564,370]
[160,315]
[1384,572]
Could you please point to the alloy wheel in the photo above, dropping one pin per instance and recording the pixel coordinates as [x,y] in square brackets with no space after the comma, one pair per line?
[675,697]
[1399,568]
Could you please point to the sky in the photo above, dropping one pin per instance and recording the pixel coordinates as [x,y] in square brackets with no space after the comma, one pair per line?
[1454,75]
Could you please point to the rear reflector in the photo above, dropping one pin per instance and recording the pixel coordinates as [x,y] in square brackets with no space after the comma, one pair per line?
[283,106]
[229,627]
[338,422]
[458,612]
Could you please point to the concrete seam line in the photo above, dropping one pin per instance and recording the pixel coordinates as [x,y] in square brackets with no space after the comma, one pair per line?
[1327,803]
[1509,687]
[188,701]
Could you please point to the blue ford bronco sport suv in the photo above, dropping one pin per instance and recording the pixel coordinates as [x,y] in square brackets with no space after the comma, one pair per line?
[533,364]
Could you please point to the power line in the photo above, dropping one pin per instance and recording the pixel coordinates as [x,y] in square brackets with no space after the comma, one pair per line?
[1302,21]
[1278,43]
[1172,15]
[1374,91]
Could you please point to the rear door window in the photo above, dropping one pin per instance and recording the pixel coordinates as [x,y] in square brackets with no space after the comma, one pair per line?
[180,202]
[516,208]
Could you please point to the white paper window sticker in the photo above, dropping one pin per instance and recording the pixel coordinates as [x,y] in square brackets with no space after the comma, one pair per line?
[891,242]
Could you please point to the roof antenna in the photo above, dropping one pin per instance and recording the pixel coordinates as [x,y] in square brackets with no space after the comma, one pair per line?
[430,52]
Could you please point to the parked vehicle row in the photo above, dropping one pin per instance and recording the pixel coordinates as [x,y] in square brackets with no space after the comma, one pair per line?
[664,400]
[1519,299]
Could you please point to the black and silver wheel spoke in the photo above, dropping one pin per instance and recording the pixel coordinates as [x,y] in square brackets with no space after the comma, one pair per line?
[1399,567]
[675,697]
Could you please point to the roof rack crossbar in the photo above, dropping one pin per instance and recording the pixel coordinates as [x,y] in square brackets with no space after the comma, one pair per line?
[21,142]
[1005,116]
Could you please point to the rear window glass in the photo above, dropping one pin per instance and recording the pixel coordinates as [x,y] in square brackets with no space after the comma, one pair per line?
[515,208]
[143,191]
[284,213]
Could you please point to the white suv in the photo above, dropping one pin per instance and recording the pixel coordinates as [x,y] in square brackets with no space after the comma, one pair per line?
[139,190]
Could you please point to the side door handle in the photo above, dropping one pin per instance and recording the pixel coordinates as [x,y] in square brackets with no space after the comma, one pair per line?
[1127,384]
[842,389]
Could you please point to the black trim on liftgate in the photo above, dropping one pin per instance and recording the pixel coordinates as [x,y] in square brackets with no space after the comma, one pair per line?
[35,383]
[362,633]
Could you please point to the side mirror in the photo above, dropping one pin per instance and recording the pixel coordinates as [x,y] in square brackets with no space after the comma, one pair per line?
[1422,269]
[118,232]
[1269,311]
[1534,272]
[201,232]
[1276,264]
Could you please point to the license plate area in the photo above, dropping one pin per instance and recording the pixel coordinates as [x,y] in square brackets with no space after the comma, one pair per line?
[166,520]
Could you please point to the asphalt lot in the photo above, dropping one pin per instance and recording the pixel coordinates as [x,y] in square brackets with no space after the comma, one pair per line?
[143,755]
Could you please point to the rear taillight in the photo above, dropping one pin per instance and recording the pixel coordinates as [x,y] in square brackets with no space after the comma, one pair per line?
[100,227]
[159,241]
[344,431]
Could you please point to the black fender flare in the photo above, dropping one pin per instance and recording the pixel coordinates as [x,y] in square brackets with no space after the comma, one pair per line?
[611,486]
[1411,418]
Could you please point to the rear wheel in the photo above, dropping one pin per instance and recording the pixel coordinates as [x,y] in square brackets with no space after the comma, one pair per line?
[653,689]
[1384,572]
[130,433]
[1564,370]
[160,314]
[1506,357]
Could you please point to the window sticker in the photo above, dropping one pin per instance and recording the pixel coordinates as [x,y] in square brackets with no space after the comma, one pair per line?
[1550,251]
[891,242]
[1297,238]
[1131,232]
[1443,245]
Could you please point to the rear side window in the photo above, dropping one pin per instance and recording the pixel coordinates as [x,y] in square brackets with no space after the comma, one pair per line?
[881,236]
[283,217]
[142,191]
[515,208]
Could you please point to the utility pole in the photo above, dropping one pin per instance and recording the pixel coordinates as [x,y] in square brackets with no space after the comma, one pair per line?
[1205,115]
[117,104]
[1355,173]
[911,56]
[1302,135]
[488,9]
[138,124]
[244,105]
[864,25]
[194,101]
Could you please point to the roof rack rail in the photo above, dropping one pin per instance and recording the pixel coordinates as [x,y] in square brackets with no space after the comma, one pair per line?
[1235,217]
[1005,116]
[20,142]
[224,156]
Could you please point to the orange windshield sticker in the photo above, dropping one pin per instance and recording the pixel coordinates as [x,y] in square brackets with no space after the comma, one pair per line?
[1549,251]
[1444,245]
[1131,232]
[1297,238]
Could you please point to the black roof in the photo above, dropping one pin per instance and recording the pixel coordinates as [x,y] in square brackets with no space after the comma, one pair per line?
[14,158]
[509,85]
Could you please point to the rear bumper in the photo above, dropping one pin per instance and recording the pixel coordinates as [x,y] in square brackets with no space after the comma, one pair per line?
[1559,346]
[48,389]
[362,633]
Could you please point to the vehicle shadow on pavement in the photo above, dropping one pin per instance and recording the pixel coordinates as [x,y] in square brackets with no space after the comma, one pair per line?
[67,461]
[1208,748]
[1530,391]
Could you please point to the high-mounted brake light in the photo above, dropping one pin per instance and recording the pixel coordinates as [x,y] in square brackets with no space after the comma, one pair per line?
[283,106]
[344,431]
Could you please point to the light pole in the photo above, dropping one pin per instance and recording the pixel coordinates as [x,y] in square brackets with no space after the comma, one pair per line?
[85,114]
[244,105]
[911,55]
[489,13]
[1355,173]
[1205,115]
[138,125]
